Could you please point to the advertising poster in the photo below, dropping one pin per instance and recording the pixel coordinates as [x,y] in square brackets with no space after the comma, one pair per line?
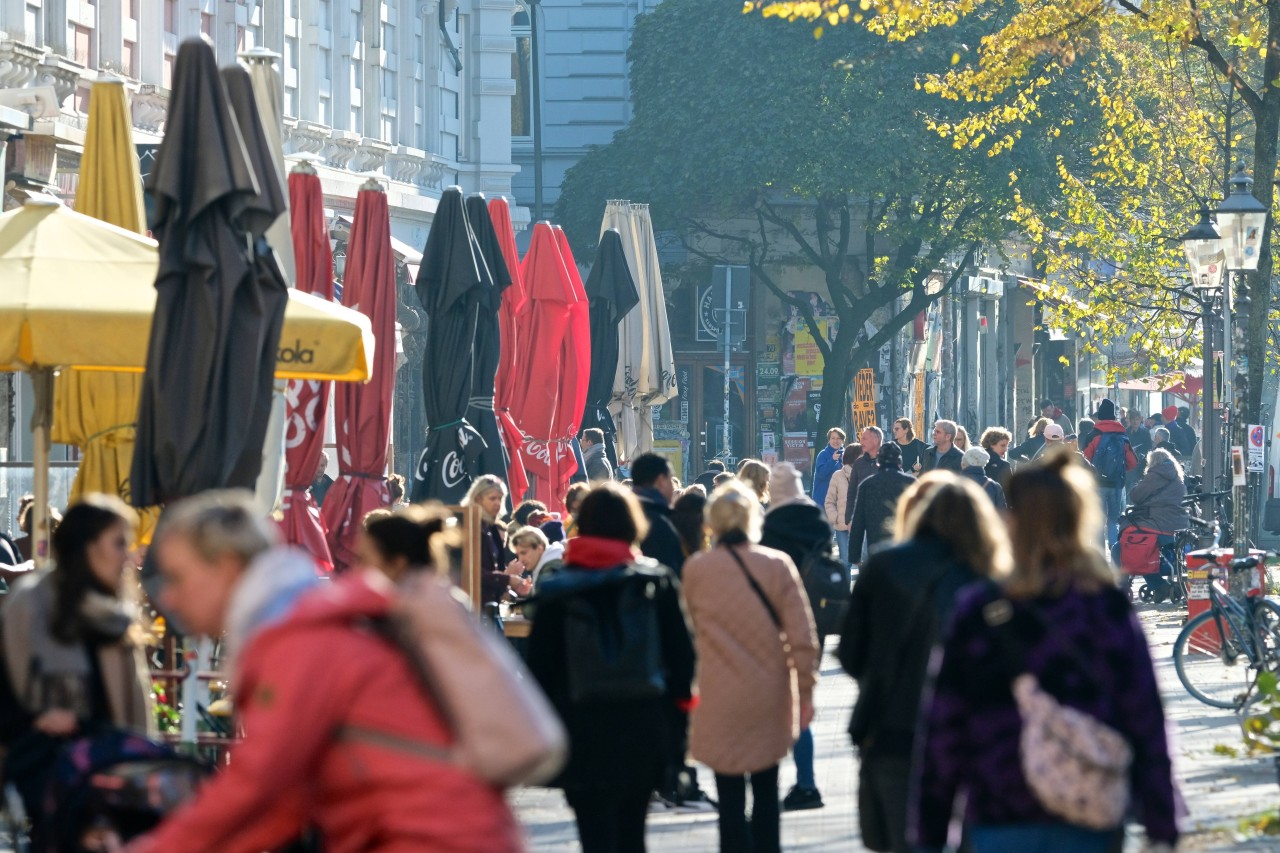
[797,450]
[795,407]
[815,418]
[769,447]
[673,449]
[808,358]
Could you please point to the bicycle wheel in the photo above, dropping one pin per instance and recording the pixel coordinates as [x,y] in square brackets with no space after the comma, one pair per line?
[1209,665]
[1266,617]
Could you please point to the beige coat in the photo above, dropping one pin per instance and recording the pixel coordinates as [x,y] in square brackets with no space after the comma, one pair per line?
[750,681]
[837,498]
[126,677]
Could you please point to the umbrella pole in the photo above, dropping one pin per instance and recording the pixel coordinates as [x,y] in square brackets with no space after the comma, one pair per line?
[41,419]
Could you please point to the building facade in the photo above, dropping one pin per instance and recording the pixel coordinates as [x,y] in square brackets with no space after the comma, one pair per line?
[585,93]
[415,94]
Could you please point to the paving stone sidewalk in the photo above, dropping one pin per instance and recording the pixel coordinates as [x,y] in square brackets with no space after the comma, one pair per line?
[1220,790]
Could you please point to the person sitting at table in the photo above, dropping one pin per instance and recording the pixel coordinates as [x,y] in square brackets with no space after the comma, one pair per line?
[536,557]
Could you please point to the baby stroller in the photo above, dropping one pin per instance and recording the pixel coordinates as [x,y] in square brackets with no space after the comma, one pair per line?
[115,781]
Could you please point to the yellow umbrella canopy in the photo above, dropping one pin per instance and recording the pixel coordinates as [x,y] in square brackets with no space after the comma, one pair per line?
[77,293]
[97,411]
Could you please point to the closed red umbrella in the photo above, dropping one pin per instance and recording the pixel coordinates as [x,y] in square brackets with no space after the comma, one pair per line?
[307,401]
[363,412]
[575,374]
[545,361]
[513,302]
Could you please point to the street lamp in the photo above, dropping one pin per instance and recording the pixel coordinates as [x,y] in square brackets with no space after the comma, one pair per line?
[1206,259]
[1241,218]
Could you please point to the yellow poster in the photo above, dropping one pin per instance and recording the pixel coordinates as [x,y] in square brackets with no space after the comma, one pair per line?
[918,408]
[808,357]
[673,449]
[864,399]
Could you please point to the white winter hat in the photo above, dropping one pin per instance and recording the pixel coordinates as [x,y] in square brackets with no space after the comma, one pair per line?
[785,486]
[975,457]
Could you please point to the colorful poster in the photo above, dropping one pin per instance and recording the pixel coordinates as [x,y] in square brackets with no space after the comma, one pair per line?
[673,449]
[864,399]
[797,450]
[795,407]
[808,358]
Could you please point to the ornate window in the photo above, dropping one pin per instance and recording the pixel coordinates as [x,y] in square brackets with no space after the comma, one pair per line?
[522,73]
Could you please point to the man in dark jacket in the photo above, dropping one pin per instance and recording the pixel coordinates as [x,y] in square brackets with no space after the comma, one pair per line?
[877,499]
[974,468]
[707,479]
[1189,437]
[652,480]
[653,483]
[593,453]
[1112,458]
[900,606]
[798,527]
[864,466]
[943,455]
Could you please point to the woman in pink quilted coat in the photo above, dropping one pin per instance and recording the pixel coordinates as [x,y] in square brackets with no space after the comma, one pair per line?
[756,687]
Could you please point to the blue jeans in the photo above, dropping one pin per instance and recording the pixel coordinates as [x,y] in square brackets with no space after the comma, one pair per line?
[1038,838]
[842,544]
[1113,506]
[802,752]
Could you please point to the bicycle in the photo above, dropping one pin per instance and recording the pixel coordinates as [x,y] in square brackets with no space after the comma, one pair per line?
[1207,654]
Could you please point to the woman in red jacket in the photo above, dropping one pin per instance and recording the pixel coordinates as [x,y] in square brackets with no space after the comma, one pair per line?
[337,732]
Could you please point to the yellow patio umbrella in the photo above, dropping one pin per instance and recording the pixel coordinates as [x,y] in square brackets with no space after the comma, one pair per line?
[97,411]
[77,293]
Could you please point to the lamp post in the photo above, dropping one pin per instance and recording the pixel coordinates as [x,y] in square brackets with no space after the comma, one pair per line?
[1207,261]
[1241,218]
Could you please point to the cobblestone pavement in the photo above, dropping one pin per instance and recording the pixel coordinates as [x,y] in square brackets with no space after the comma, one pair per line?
[1221,790]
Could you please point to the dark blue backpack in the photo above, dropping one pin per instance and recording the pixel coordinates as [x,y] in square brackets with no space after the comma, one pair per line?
[1109,458]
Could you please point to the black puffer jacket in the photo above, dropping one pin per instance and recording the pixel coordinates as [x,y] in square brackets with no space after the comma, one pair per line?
[796,529]
[900,606]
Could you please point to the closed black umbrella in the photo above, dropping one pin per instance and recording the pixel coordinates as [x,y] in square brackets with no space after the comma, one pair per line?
[220,302]
[450,287]
[611,293]
[484,364]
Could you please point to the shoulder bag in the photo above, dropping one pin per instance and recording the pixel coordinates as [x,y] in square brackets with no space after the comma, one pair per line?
[1076,766]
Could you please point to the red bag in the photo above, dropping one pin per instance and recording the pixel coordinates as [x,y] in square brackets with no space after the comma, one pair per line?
[1139,551]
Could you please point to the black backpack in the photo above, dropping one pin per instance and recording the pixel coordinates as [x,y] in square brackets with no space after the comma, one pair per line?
[612,635]
[1109,458]
[826,580]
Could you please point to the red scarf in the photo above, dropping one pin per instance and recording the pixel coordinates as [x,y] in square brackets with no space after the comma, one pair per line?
[595,552]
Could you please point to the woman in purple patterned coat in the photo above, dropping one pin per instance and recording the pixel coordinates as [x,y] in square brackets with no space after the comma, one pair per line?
[1066,610]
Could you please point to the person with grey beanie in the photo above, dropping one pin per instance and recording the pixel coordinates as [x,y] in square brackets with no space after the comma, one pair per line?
[973,466]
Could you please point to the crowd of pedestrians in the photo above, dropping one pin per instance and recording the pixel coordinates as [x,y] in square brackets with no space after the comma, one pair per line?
[669,625]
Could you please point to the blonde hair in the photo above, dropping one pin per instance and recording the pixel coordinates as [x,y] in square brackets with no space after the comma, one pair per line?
[755,474]
[482,486]
[734,508]
[530,536]
[219,524]
[957,512]
[913,497]
[1056,525]
[1037,428]
[962,438]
